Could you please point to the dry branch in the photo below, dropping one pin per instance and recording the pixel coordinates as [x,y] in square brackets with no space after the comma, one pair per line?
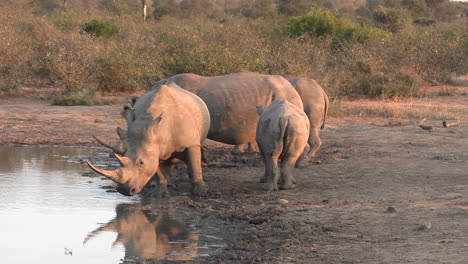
[444,123]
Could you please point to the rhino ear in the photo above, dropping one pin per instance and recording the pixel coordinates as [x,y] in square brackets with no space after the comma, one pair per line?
[154,124]
[132,100]
[158,119]
[260,110]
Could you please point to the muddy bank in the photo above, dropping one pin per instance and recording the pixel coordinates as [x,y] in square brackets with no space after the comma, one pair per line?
[376,193]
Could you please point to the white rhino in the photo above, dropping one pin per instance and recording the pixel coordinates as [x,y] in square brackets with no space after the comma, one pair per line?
[283,130]
[165,126]
[232,100]
[315,102]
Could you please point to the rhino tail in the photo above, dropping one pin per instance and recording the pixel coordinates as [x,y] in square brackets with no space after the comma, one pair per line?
[325,98]
[283,124]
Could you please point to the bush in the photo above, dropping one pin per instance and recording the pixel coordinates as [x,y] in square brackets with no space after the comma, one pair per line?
[324,23]
[319,23]
[66,19]
[100,28]
[381,86]
[391,19]
[423,21]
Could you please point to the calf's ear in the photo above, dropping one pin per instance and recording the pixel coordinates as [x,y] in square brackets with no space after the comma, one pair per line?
[260,110]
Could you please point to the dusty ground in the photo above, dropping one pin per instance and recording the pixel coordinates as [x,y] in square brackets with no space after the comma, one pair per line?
[380,190]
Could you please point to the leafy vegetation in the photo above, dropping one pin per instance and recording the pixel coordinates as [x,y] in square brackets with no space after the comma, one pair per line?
[375,48]
[100,28]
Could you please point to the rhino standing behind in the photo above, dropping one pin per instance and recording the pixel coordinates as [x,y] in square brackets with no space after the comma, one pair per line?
[165,126]
[315,102]
[283,129]
[232,100]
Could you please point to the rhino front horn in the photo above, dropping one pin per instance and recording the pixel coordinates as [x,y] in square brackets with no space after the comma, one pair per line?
[115,175]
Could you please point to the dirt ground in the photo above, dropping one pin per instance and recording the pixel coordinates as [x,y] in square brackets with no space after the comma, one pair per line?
[379,191]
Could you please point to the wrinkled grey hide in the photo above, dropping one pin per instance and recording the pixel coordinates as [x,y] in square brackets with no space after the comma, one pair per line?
[165,126]
[232,100]
[283,130]
[315,102]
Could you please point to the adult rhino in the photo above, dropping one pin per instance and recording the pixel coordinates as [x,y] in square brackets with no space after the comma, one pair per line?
[233,99]
[165,126]
[315,102]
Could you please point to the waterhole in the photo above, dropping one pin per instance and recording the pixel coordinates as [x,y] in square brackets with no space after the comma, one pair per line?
[50,213]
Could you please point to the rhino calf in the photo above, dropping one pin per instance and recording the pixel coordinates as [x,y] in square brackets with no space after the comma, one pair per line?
[283,130]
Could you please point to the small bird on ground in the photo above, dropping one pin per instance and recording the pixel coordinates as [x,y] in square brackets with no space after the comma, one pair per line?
[428,128]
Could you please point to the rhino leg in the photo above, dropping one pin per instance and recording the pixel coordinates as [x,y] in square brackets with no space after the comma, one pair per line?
[263,179]
[314,141]
[163,176]
[271,173]
[193,160]
[252,147]
[302,161]
[204,153]
[287,164]
[238,149]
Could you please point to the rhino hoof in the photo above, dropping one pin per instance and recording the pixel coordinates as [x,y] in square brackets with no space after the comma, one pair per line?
[199,189]
[263,179]
[271,187]
[287,186]
[301,165]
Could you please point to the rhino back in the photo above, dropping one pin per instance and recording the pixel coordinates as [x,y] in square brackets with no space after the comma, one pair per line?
[281,120]
[185,117]
[313,97]
[232,100]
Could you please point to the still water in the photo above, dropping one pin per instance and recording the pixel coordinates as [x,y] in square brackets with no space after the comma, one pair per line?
[50,213]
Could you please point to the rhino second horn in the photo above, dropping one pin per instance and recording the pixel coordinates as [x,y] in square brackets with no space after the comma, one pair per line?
[115,175]
[124,161]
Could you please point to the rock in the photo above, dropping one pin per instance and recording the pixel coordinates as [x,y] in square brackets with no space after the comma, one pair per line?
[283,201]
[258,220]
[390,209]
[424,227]
[98,120]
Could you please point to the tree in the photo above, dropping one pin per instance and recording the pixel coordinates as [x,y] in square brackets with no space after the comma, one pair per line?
[144,6]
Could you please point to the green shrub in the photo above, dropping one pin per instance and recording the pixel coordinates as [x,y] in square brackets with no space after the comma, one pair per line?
[319,23]
[100,28]
[324,23]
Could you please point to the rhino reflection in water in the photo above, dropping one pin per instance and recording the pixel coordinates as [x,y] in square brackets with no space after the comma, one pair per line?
[150,236]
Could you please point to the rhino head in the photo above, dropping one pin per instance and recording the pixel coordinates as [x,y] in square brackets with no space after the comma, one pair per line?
[141,159]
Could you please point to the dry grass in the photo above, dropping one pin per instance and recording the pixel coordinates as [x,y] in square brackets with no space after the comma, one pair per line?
[413,108]
[460,80]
